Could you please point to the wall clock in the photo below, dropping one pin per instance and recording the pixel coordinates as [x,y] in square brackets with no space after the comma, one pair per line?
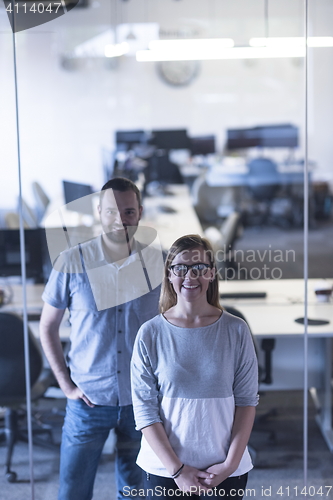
[178,73]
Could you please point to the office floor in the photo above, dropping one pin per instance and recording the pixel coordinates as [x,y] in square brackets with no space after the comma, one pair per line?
[283,249]
[279,463]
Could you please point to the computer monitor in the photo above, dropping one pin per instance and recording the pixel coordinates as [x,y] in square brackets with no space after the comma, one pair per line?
[127,139]
[74,191]
[242,138]
[170,139]
[202,145]
[265,136]
[38,264]
[278,136]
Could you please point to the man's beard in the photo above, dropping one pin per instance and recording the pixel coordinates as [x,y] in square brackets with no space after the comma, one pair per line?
[120,236]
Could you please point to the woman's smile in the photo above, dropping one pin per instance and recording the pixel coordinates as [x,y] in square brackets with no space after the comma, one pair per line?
[190,287]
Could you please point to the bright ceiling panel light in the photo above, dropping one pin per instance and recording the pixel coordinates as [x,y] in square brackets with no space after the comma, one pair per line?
[191,44]
[184,49]
[226,53]
[297,41]
[320,41]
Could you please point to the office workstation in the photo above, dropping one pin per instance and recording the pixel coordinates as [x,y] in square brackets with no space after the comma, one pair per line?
[274,309]
[168,209]
[258,170]
[272,313]
[217,147]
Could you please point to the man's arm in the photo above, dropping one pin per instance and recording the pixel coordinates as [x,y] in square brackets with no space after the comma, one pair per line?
[50,339]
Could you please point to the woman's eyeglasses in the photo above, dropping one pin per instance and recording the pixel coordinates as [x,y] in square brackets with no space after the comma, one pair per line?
[181,270]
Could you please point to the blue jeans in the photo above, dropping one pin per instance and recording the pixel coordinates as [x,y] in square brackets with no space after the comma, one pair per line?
[84,433]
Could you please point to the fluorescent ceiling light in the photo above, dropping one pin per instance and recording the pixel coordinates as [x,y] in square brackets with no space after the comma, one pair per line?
[297,41]
[231,53]
[184,49]
[320,41]
[191,44]
[116,50]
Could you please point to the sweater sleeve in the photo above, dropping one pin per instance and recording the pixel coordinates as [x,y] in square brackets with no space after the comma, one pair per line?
[246,374]
[145,392]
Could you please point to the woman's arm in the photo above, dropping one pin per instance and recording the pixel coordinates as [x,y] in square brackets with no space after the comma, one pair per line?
[188,479]
[241,430]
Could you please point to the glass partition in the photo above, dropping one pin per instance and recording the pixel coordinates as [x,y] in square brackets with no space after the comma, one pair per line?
[320,122]
[95,102]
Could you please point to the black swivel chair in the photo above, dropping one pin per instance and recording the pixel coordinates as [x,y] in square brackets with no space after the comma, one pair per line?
[12,381]
[266,172]
[238,314]
[264,185]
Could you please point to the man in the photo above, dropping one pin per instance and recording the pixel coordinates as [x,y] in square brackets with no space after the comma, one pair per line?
[111,286]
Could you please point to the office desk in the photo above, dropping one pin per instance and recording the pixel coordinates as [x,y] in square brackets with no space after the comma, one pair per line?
[270,317]
[34,299]
[274,317]
[34,307]
[278,292]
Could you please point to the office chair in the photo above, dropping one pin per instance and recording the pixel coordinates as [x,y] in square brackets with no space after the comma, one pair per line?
[264,375]
[41,198]
[222,241]
[12,381]
[238,314]
[210,201]
[12,220]
[29,217]
[265,172]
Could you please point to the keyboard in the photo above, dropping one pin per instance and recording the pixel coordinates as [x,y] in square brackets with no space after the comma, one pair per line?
[243,295]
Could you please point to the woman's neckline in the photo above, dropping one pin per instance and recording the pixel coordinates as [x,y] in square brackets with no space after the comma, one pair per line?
[193,327]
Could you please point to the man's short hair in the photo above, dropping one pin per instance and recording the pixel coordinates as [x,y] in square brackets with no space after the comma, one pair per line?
[120,184]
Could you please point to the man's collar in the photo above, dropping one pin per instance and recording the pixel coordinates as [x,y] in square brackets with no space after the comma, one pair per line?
[94,254]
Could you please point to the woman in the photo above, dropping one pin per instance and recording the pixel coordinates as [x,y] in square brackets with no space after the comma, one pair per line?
[194,383]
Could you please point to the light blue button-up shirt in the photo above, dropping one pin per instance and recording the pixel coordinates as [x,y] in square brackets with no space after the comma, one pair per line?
[108,302]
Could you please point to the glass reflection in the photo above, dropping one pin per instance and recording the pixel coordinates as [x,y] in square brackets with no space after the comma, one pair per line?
[249,199]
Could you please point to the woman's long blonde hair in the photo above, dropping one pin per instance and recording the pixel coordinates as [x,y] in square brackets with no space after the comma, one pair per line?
[168,297]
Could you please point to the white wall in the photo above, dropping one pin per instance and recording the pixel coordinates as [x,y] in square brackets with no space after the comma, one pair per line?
[66,117]
[320,90]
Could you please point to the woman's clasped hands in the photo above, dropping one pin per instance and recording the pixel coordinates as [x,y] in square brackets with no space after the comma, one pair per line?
[191,480]
[217,474]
